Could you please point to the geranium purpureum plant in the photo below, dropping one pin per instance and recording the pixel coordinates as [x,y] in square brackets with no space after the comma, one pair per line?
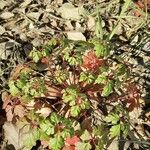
[54,93]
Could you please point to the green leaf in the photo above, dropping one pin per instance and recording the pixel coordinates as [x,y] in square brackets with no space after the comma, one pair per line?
[125,128]
[99,130]
[55,118]
[101,79]
[104,69]
[72,103]
[83,77]
[34,93]
[88,77]
[21,83]
[75,110]
[44,136]
[83,146]
[85,136]
[69,94]
[56,143]
[108,88]
[85,104]
[35,55]
[67,98]
[47,127]
[101,143]
[26,89]
[100,49]
[117,83]
[52,42]
[32,137]
[115,130]
[61,76]
[13,89]
[67,133]
[46,51]
[113,118]
[121,69]
[72,59]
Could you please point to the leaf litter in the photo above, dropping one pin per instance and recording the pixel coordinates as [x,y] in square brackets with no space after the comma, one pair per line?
[26,22]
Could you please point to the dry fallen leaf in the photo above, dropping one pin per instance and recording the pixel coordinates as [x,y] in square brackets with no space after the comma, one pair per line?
[16,134]
[34,15]
[19,110]
[44,112]
[3,53]
[76,36]
[2,4]
[9,113]
[2,30]
[91,23]
[68,11]
[26,3]
[7,15]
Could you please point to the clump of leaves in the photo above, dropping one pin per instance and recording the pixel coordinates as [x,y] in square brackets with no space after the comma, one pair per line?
[119,122]
[59,89]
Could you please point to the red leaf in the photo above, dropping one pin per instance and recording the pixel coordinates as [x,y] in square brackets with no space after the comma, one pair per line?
[73,140]
[140,4]
[45,60]
[69,148]
[133,96]
[91,61]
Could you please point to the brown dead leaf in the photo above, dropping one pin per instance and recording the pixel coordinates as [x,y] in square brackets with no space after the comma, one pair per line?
[16,72]
[19,110]
[6,99]
[9,113]
[52,92]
